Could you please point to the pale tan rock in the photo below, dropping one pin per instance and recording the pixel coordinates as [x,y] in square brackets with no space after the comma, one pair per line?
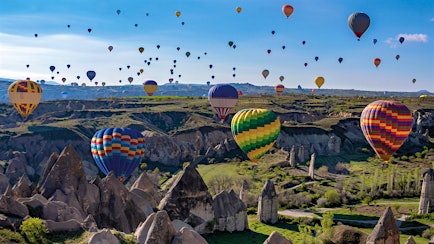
[276,238]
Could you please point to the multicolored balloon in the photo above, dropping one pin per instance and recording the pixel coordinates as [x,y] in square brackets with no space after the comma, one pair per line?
[255,131]
[25,96]
[150,87]
[279,88]
[359,23]
[386,125]
[223,98]
[119,150]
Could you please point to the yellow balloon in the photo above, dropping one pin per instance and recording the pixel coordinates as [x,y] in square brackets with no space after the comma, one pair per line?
[25,95]
[178,13]
[319,81]
[238,9]
[141,49]
[141,71]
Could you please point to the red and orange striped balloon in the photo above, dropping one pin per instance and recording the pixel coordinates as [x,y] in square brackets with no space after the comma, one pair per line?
[279,88]
[386,125]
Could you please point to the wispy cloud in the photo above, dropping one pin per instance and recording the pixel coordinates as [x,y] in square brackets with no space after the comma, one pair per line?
[393,42]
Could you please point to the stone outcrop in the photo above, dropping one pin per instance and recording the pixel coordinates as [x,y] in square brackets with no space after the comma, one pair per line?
[188,200]
[103,237]
[276,238]
[426,203]
[292,157]
[71,225]
[156,229]
[8,205]
[23,188]
[312,166]
[301,156]
[4,183]
[386,231]
[244,192]
[410,240]
[142,230]
[16,168]
[268,204]
[230,212]
[344,234]
[187,236]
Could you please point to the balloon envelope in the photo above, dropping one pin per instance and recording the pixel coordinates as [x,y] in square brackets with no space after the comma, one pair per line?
[287,10]
[265,73]
[377,62]
[150,87]
[319,81]
[91,74]
[119,150]
[223,98]
[25,96]
[358,23]
[255,131]
[279,88]
[386,125]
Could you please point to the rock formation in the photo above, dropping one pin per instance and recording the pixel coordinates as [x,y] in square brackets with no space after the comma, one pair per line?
[386,231]
[23,188]
[268,204]
[244,192]
[426,203]
[292,156]
[187,236]
[344,234]
[188,200]
[16,168]
[276,238]
[230,212]
[4,183]
[312,166]
[301,157]
[410,240]
[156,229]
[103,237]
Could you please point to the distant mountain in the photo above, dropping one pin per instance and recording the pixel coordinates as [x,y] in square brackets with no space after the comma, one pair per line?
[55,91]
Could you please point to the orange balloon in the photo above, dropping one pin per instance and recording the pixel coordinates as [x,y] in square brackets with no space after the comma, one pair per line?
[287,10]
[377,61]
[238,9]
[178,13]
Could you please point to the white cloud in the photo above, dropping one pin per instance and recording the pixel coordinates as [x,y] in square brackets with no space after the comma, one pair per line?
[414,37]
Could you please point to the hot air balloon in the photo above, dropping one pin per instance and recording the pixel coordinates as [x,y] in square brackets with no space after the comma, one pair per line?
[128,67]
[316,58]
[187,54]
[269,51]
[303,42]
[103,84]
[397,56]
[319,81]
[52,68]
[358,23]
[255,131]
[238,9]
[78,77]
[68,66]
[279,88]
[178,13]
[141,49]
[305,64]
[119,150]
[273,32]
[223,98]
[36,35]
[170,80]
[377,62]
[130,79]
[340,60]
[90,74]
[208,83]
[158,46]
[281,78]
[63,79]
[230,43]
[374,41]
[401,39]
[287,10]
[25,96]
[118,12]
[141,71]
[386,125]
[110,48]
[89,30]
[150,87]
[283,47]
[414,81]
[265,73]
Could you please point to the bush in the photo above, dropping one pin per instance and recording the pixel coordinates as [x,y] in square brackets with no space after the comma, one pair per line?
[333,198]
[323,170]
[34,230]
[428,233]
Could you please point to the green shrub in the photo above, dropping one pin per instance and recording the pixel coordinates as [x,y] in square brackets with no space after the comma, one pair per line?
[428,233]
[34,230]
[333,198]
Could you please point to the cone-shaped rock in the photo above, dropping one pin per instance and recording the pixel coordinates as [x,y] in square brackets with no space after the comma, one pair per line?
[23,188]
[187,236]
[268,204]
[426,203]
[410,240]
[276,238]
[102,237]
[230,212]
[188,200]
[4,183]
[161,230]
[386,231]
[244,192]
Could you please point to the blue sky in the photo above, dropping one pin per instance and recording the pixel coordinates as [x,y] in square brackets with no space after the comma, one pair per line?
[208,27]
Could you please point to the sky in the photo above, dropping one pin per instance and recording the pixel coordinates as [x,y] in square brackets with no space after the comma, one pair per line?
[205,28]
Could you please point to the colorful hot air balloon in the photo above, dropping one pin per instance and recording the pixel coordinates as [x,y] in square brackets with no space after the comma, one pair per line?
[377,62]
[25,96]
[319,81]
[90,74]
[358,23]
[119,150]
[386,125]
[255,131]
[238,9]
[150,87]
[279,88]
[223,98]
[265,73]
[287,10]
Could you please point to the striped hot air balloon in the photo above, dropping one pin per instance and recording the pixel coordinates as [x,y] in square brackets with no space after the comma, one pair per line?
[279,88]
[386,125]
[255,131]
[119,150]
[25,95]
[223,98]
[150,87]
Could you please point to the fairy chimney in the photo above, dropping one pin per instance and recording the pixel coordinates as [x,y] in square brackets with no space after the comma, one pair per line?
[426,203]
[292,157]
[312,166]
[244,192]
[386,231]
[301,154]
[268,204]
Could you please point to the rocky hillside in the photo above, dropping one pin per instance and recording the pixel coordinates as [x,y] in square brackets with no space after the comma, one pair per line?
[179,130]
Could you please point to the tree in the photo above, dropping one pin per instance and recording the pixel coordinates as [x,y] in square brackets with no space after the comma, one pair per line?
[326,224]
[333,198]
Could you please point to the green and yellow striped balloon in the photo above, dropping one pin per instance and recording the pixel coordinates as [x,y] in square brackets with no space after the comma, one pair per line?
[255,131]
